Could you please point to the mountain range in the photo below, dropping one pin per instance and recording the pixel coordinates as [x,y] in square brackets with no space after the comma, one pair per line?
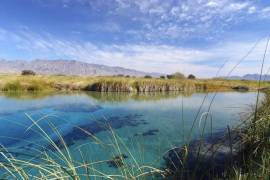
[73,67]
[67,67]
[254,77]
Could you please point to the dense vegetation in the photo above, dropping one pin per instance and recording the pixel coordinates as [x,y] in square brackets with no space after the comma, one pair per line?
[28,72]
[256,145]
[119,84]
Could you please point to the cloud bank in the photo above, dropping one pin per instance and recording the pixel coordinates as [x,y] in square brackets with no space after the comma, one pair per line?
[145,57]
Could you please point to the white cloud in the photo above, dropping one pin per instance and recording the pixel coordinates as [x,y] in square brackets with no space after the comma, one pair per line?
[184,19]
[212,4]
[173,19]
[145,57]
[252,10]
[238,6]
[170,19]
[265,12]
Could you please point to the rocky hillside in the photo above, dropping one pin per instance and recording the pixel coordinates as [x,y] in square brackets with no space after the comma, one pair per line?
[251,77]
[66,67]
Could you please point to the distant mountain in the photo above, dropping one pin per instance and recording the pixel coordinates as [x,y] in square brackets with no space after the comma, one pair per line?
[67,67]
[254,77]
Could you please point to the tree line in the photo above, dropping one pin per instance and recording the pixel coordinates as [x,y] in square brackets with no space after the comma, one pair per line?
[176,75]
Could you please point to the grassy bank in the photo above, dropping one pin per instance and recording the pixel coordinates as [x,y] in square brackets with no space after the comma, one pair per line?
[117,84]
[256,142]
[241,153]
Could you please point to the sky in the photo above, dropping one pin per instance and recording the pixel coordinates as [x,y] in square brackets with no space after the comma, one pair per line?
[165,36]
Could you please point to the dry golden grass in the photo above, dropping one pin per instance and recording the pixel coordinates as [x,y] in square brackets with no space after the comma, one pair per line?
[53,82]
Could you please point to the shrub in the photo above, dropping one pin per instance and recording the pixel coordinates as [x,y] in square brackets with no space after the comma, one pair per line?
[162,77]
[120,75]
[60,75]
[191,76]
[28,72]
[176,75]
[148,76]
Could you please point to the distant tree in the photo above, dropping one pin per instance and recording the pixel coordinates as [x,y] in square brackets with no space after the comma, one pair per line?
[179,75]
[120,75]
[162,77]
[148,76]
[169,76]
[191,76]
[60,75]
[28,72]
[127,76]
[176,75]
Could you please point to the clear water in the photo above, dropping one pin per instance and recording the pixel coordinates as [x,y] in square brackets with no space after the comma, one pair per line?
[146,125]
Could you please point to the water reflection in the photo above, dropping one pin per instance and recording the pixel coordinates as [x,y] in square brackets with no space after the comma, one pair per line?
[100,96]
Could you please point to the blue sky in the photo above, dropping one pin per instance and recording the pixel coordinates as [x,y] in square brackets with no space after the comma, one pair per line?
[191,36]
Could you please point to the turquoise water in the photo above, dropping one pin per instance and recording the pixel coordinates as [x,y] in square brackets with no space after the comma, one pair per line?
[145,125]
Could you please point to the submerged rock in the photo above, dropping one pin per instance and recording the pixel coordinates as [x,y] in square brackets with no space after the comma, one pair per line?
[80,107]
[117,161]
[87,130]
[150,132]
[204,157]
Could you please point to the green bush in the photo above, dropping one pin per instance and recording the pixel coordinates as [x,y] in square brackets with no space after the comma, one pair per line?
[148,76]
[191,76]
[120,75]
[28,72]
[176,75]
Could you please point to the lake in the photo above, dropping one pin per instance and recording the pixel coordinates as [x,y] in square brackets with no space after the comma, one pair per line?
[101,126]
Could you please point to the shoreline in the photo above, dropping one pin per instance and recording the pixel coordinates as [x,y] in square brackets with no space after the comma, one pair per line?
[121,84]
[230,154]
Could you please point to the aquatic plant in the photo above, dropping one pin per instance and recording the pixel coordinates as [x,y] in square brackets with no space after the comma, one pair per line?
[54,160]
[194,160]
[255,153]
